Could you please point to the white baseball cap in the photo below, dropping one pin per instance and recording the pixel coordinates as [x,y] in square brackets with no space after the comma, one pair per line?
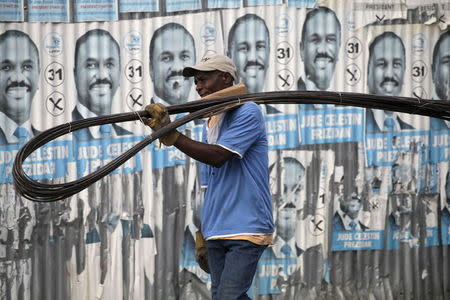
[212,62]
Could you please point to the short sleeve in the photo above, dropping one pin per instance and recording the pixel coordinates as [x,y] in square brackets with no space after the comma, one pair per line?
[241,129]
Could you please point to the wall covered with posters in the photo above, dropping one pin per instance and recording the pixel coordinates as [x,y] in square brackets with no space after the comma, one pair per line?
[361,197]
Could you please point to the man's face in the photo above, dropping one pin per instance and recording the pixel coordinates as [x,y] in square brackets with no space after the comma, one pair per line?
[250,54]
[402,174]
[320,49]
[371,176]
[286,221]
[441,74]
[386,68]
[19,77]
[293,175]
[97,73]
[207,83]
[173,51]
[395,175]
[353,208]
[370,173]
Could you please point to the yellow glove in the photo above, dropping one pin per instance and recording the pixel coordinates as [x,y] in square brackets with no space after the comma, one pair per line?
[201,254]
[159,117]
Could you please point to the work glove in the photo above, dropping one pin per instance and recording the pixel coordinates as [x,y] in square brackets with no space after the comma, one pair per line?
[201,255]
[159,117]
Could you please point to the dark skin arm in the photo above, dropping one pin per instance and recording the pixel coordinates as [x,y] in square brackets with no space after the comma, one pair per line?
[212,155]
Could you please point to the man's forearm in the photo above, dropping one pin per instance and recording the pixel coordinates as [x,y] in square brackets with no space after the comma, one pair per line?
[212,155]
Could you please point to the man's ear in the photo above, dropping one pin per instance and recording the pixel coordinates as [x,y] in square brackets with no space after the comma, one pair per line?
[150,70]
[228,78]
[75,76]
[433,73]
[230,51]
[301,51]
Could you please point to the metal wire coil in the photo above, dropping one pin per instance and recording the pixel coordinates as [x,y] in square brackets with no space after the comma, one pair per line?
[43,192]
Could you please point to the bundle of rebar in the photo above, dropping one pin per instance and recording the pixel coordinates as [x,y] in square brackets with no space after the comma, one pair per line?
[44,192]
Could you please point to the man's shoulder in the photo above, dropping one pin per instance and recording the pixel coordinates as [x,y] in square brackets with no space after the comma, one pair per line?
[338,224]
[271,109]
[404,125]
[121,131]
[81,134]
[249,111]
[76,115]
[438,124]
[3,140]
[371,124]
[250,107]
[301,85]
[35,131]
[363,226]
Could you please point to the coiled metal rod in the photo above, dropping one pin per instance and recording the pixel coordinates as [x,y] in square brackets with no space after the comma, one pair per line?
[43,192]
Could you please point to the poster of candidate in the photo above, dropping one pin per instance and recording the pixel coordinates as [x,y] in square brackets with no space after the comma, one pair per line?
[356,192]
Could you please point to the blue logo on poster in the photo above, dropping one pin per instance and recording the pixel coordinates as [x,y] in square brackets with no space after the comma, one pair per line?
[53,44]
[283,25]
[133,42]
[418,44]
[350,23]
[208,33]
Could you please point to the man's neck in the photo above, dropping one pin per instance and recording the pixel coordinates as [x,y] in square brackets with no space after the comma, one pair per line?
[20,118]
[84,111]
[8,126]
[312,86]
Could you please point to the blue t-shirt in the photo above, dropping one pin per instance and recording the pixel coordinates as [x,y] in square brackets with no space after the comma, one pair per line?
[237,199]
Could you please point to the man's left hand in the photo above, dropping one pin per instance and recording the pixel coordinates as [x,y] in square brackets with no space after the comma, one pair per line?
[159,117]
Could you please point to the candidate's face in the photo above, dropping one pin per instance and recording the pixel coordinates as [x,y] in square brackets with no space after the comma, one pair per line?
[353,208]
[19,77]
[173,51]
[386,68]
[97,73]
[405,205]
[250,53]
[371,176]
[286,221]
[441,74]
[402,173]
[369,173]
[293,175]
[320,49]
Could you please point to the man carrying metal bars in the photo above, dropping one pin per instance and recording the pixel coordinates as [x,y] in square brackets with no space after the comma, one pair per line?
[237,221]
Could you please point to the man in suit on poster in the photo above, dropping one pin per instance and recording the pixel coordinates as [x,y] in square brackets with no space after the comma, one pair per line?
[97,78]
[19,80]
[319,50]
[249,48]
[285,250]
[445,212]
[441,76]
[172,48]
[447,192]
[347,217]
[385,75]
[287,204]
[113,201]
[402,176]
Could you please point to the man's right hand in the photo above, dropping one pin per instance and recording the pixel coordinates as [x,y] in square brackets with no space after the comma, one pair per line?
[201,254]
[159,117]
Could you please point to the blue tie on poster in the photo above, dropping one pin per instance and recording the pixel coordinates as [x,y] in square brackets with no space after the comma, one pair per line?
[21,134]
